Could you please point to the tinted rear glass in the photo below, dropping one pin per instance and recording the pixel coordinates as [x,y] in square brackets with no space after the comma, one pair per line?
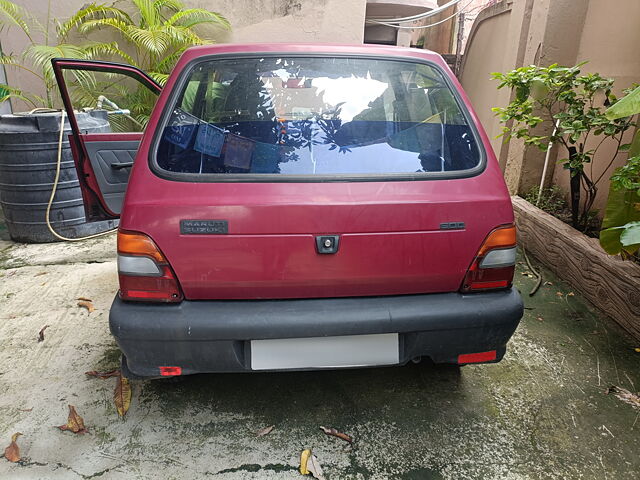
[316,116]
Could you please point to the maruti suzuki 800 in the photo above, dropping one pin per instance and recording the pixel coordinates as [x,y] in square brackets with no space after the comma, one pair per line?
[297,206]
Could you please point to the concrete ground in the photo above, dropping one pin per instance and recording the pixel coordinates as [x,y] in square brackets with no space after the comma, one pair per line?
[542,413]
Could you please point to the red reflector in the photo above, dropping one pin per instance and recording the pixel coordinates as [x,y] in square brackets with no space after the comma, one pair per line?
[483,285]
[158,289]
[172,371]
[477,357]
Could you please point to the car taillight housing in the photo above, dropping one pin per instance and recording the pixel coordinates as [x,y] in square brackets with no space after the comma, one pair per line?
[494,264]
[144,272]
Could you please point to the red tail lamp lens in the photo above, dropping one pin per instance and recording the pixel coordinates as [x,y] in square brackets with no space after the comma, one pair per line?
[143,271]
[480,357]
[170,371]
[494,265]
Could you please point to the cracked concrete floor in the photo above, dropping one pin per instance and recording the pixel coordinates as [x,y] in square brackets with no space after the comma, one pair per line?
[540,413]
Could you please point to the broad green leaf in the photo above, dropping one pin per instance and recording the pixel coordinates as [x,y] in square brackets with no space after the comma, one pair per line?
[630,236]
[626,106]
[620,211]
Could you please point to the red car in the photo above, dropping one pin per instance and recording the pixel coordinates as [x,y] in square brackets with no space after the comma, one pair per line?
[299,207]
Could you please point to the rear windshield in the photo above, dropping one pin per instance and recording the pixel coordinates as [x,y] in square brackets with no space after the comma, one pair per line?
[316,116]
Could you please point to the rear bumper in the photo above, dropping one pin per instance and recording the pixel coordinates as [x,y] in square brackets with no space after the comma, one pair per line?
[214,336]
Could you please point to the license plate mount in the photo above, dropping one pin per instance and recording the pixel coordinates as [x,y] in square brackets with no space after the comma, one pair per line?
[325,352]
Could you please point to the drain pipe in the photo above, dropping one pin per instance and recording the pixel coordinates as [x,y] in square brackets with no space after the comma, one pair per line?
[546,162]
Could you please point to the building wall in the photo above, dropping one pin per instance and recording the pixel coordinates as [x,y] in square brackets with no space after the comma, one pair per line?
[609,42]
[486,54]
[543,32]
[259,21]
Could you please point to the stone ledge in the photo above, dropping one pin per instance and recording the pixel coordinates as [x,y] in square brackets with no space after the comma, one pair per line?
[610,283]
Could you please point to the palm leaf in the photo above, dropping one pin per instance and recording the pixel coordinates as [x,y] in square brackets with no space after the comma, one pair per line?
[99,50]
[195,16]
[165,65]
[41,56]
[182,37]
[15,15]
[16,93]
[174,5]
[154,40]
[161,78]
[149,15]
[90,12]
[120,25]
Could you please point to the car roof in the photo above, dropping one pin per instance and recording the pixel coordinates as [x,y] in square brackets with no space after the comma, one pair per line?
[308,48]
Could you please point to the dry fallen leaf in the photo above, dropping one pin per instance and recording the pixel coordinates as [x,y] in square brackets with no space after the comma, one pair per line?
[559,294]
[571,294]
[40,273]
[304,459]
[41,333]
[103,375]
[75,423]
[85,299]
[86,304]
[309,465]
[12,452]
[625,395]
[122,395]
[335,433]
[637,350]
[540,319]
[265,431]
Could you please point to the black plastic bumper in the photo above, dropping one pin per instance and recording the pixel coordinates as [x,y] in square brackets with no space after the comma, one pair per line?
[214,336]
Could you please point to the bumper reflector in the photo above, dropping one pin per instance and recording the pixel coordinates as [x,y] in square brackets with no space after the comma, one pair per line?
[170,371]
[477,357]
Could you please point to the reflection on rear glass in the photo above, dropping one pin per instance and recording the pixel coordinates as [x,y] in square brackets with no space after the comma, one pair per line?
[324,116]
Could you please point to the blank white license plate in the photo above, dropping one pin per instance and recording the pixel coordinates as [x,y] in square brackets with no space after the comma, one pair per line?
[325,352]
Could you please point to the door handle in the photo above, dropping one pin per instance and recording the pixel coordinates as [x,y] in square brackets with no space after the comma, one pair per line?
[121,165]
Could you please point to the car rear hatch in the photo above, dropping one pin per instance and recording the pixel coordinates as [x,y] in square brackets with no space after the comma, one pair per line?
[287,177]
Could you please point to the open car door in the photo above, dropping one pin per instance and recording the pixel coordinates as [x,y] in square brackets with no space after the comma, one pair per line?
[103,160]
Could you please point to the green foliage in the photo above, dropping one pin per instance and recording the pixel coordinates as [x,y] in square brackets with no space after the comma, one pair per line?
[626,106]
[621,223]
[560,105]
[628,176]
[157,31]
[36,58]
[551,201]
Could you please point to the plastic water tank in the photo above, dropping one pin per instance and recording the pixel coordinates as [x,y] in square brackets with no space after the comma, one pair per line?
[28,157]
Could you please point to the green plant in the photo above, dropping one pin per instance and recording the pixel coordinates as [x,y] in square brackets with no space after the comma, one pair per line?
[551,200]
[572,107]
[621,224]
[36,58]
[158,30]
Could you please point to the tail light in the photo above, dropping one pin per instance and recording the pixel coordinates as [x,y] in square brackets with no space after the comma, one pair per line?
[494,264]
[144,273]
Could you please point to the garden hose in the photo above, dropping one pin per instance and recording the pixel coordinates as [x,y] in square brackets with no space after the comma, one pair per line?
[55,187]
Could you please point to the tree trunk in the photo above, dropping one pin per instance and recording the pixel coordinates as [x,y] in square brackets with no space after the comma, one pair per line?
[574,184]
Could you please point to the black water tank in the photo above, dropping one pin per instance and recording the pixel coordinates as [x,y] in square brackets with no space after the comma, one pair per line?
[28,157]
